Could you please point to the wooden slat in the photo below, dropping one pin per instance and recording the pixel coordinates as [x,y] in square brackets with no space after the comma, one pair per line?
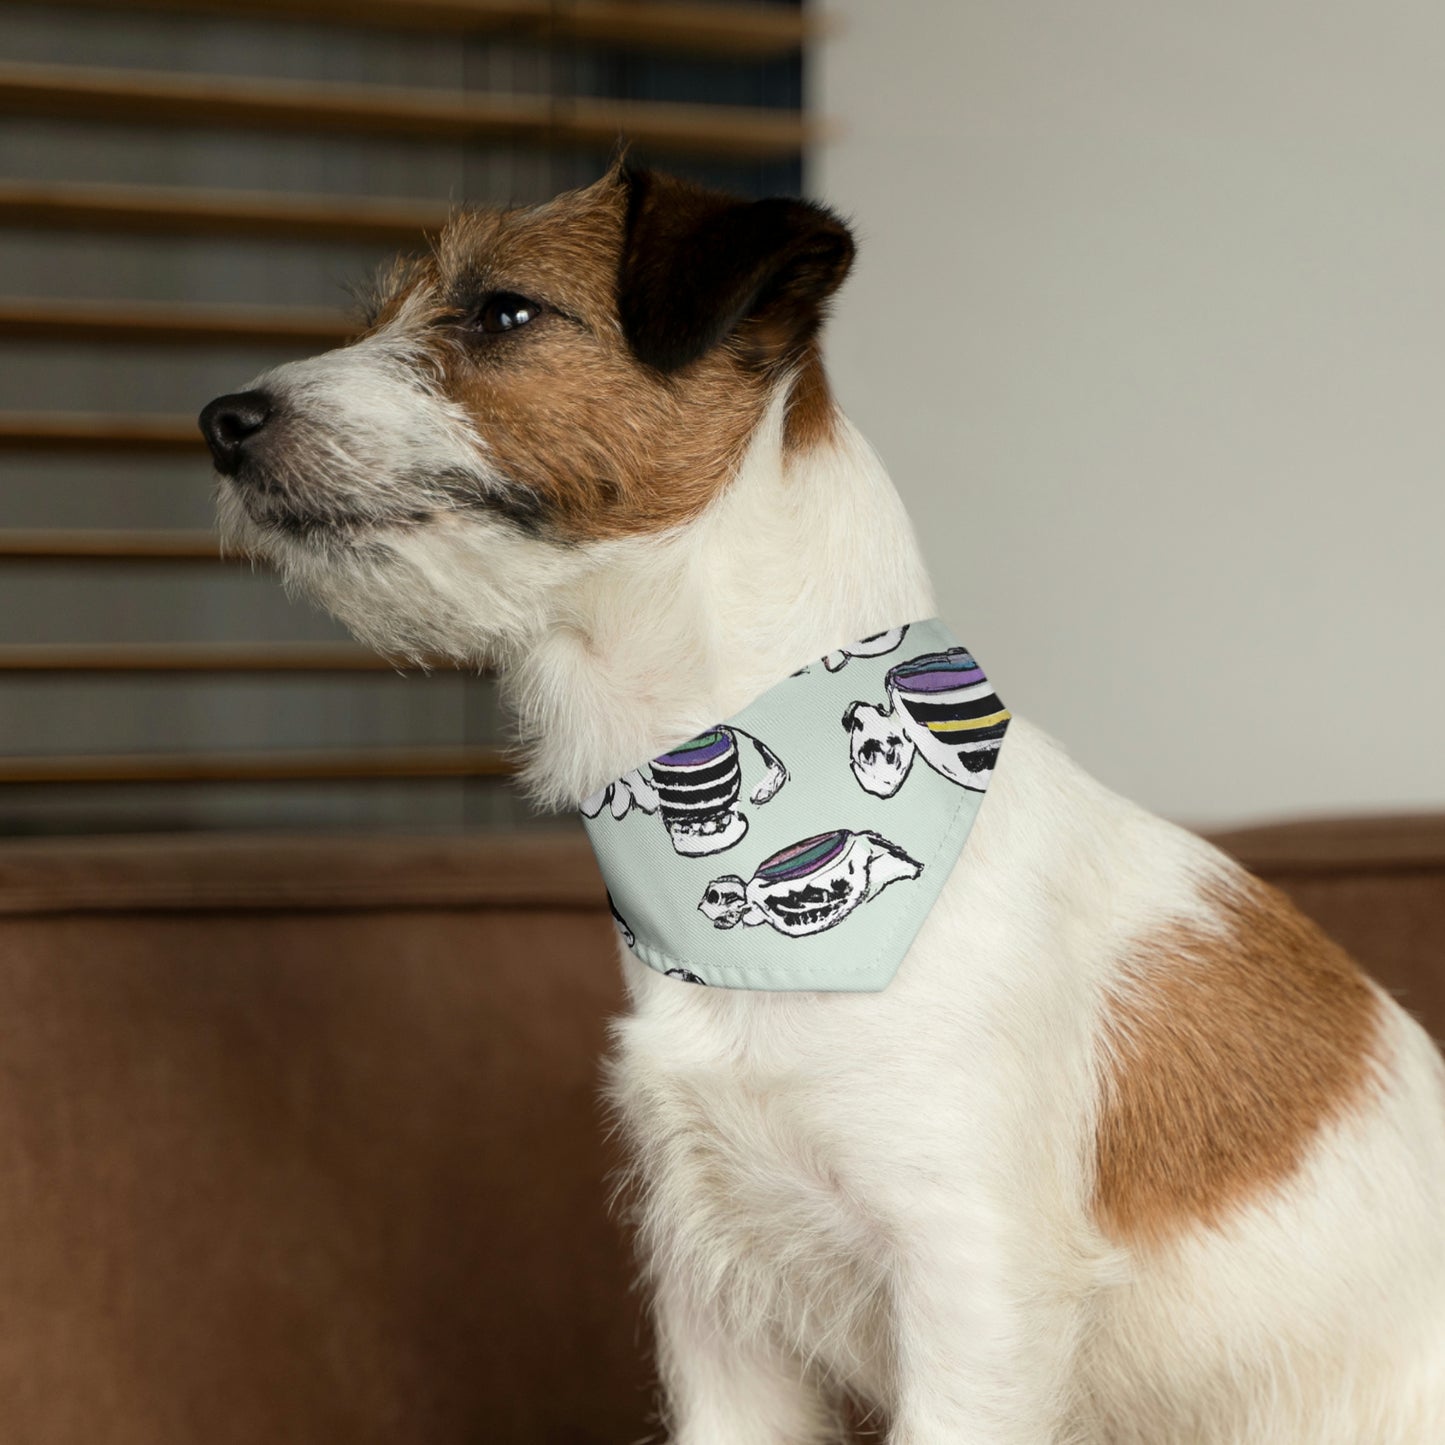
[707,29]
[216,101]
[170,210]
[181,657]
[171,324]
[358,764]
[94,431]
[108,546]
[204,657]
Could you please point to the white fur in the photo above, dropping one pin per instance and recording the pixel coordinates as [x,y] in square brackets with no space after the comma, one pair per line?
[888,1194]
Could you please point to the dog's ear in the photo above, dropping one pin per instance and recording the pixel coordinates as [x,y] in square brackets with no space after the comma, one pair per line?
[699,267]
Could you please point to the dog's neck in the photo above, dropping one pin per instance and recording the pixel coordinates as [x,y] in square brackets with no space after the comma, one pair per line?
[803,553]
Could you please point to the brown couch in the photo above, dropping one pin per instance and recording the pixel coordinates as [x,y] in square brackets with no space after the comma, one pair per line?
[299,1141]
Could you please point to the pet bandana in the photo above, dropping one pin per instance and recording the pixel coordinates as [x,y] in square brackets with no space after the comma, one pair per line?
[801,843]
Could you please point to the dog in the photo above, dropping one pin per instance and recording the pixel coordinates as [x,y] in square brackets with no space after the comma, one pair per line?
[1127,1152]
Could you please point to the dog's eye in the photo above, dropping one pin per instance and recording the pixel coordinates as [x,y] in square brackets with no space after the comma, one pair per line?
[505,311]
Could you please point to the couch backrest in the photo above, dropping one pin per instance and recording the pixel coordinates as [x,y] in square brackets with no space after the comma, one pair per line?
[300,1140]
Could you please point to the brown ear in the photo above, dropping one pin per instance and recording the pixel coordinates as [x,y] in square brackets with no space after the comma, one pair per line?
[699,266]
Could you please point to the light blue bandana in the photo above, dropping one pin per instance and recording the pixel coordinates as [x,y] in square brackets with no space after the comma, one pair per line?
[800,844]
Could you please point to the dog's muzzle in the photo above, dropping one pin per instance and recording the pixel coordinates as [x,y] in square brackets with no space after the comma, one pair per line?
[231,424]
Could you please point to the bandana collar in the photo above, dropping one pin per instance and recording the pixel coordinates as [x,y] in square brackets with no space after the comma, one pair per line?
[801,843]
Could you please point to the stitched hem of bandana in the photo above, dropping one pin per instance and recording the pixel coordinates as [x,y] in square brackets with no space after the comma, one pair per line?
[762,979]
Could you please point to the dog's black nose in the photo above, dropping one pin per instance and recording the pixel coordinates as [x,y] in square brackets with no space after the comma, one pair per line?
[229,422]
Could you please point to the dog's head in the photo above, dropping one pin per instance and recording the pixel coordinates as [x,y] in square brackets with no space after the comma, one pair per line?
[546,382]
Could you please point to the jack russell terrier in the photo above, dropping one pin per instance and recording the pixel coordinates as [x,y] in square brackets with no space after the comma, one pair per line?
[1021,1117]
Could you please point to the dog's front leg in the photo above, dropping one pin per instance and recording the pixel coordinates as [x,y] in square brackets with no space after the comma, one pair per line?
[723,1389]
[985,1344]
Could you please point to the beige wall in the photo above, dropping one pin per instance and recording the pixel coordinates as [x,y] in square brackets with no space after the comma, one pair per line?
[1149,324]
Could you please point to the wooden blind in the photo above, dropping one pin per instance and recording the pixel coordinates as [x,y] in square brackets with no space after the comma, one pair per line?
[186,185]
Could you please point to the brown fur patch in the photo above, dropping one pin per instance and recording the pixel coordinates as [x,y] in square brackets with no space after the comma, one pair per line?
[595,443]
[1228,1051]
[812,412]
